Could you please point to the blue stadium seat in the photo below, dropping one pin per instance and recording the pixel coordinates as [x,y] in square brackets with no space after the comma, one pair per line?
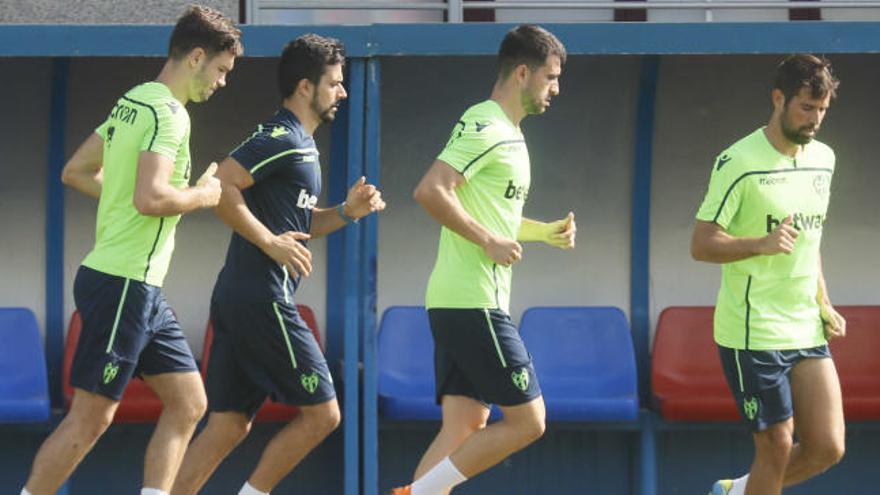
[406,365]
[24,388]
[585,360]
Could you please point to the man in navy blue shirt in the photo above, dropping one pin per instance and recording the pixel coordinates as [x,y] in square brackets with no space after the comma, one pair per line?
[262,347]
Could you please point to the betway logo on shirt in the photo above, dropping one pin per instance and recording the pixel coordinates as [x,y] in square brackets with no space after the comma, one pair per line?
[799,221]
[515,192]
[305,200]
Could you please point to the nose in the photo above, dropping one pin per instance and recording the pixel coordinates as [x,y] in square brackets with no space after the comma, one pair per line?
[222,81]
[342,93]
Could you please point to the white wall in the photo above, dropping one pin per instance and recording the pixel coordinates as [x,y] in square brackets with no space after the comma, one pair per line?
[24,99]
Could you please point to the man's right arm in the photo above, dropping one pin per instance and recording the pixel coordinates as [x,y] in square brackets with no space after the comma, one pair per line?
[436,193]
[285,248]
[84,171]
[155,196]
[711,243]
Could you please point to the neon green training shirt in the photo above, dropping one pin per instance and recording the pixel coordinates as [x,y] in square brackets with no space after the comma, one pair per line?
[769,302]
[128,244]
[490,152]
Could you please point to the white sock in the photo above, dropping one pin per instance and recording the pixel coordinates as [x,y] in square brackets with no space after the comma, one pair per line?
[24,491]
[439,479]
[152,491]
[248,489]
[739,486]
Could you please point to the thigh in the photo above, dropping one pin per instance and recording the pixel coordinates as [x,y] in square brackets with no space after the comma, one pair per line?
[460,412]
[760,385]
[486,347]
[818,407]
[167,350]
[115,321]
[228,385]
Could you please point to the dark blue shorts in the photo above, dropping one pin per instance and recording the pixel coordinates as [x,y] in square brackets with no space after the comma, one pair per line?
[260,350]
[478,354]
[128,330]
[760,381]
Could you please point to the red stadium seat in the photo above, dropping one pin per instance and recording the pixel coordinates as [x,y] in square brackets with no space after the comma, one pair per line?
[857,364]
[138,405]
[270,411]
[686,376]
[689,384]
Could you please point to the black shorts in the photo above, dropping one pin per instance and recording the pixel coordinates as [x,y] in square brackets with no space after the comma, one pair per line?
[761,384]
[128,329]
[478,353]
[260,350]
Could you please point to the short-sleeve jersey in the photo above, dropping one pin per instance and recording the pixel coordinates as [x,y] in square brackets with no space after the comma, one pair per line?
[490,152]
[128,244]
[769,302]
[283,161]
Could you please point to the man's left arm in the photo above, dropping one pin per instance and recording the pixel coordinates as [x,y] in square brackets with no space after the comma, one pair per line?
[362,199]
[560,233]
[834,322]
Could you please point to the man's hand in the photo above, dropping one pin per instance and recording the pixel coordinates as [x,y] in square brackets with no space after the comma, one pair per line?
[363,199]
[781,240]
[209,186]
[287,250]
[834,322]
[503,251]
[561,233]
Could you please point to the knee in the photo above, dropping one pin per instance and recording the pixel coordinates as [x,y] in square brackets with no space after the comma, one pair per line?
[91,425]
[189,410]
[827,454]
[775,445]
[531,427]
[323,420]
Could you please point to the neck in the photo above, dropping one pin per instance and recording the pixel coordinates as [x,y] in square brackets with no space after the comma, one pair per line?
[777,138]
[508,98]
[304,113]
[174,76]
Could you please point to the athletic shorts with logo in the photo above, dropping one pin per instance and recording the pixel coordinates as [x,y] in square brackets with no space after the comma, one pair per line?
[761,382]
[260,350]
[128,330]
[478,353]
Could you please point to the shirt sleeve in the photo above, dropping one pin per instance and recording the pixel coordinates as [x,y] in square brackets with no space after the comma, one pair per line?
[102,129]
[723,198]
[166,132]
[262,155]
[467,147]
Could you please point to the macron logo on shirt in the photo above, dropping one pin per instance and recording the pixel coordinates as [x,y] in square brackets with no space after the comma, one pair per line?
[305,200]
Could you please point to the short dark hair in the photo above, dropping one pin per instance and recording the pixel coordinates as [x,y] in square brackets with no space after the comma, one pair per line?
[805,70]
[307,57]
[205,28]
[528,44]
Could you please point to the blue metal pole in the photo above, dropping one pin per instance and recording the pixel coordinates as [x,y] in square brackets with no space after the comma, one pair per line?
[55,230]
[640,256]
[641,223]
[352,262]
[370,243]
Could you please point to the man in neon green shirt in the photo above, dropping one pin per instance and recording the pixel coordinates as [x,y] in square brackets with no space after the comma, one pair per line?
[476,190]
[762,219]
[137,163]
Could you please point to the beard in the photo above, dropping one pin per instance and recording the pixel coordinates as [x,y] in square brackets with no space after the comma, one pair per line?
[794,134]
[328,113]
[532,104]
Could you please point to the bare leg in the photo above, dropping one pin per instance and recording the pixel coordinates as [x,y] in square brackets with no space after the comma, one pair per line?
[290,445]
[89,417]
[183,405]
[224,431]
